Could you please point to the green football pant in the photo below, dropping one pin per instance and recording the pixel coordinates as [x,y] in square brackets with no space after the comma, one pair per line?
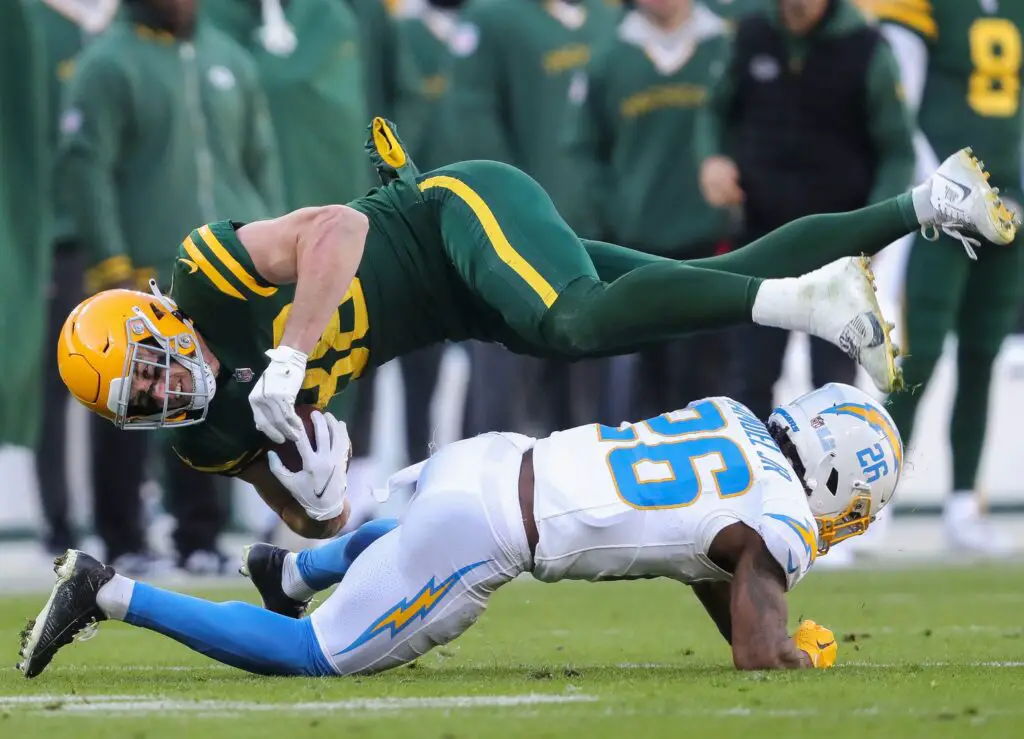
[570,298]
[945,292]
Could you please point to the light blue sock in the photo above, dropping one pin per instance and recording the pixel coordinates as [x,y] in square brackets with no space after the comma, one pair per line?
[238,634]
[322,567]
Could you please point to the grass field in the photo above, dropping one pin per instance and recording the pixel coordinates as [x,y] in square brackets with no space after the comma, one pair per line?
[924,653]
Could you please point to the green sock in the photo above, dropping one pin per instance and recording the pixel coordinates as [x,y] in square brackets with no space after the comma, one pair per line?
[812,242]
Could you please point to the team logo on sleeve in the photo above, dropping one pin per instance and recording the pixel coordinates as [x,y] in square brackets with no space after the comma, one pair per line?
[806,531]
[399,616]
[192,266]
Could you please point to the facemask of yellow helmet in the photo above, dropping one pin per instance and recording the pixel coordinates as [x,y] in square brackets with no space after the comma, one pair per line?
[136,360]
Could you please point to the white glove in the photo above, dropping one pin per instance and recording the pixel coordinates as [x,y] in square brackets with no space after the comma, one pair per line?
[273,398]
[321,484]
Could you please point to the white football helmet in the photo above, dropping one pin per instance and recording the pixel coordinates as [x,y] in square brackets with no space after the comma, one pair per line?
[851,453]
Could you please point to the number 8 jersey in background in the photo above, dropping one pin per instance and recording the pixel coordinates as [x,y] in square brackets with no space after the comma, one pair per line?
[972,94]
[647,499]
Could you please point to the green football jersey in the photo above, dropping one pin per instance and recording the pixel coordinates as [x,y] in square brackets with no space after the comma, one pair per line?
[973,90]
[405,295]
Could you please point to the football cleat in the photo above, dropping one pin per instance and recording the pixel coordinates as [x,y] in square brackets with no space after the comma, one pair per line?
[71,613]
[844,310]
[963,200]
[263,564]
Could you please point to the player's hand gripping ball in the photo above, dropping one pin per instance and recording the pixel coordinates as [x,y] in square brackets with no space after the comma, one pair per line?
[314,469]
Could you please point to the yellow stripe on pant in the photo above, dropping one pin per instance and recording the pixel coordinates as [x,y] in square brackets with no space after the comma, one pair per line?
[495,235]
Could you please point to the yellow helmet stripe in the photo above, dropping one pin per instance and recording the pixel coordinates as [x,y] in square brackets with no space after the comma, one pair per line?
[232,264]
[209,270]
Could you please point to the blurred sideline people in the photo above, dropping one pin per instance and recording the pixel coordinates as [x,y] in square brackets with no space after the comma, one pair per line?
[733,10]
[311,70]
[25,224]
[510,97]
[165,125]
[947,47]
[644,88]
[66,26]
[470,81]
[389,72]
[427,29]
[807,118]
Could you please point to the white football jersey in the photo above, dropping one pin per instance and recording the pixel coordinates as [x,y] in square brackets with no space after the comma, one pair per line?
[647,499]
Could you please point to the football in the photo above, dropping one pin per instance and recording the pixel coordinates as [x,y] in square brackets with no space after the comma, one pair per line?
[288,452]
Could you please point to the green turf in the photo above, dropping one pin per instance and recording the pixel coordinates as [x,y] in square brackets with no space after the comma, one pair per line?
[924,653]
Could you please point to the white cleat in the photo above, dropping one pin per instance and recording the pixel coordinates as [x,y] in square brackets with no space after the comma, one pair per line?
[963,200]
[845,311]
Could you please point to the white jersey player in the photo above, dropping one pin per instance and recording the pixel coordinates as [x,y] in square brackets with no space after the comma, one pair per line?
[707,495]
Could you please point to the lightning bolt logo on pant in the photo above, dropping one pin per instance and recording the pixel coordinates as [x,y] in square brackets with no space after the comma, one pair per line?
[399,616]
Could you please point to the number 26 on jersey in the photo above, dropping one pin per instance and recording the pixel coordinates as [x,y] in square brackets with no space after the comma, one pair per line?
[684,458]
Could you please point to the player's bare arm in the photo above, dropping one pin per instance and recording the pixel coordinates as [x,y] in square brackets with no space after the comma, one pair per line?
[283,503]
[319,250]
[757,604]
[716,598]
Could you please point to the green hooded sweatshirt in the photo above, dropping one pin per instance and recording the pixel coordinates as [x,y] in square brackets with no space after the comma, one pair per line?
[512,84]
[644,90]
[159,134]
[24,222]
[315,95]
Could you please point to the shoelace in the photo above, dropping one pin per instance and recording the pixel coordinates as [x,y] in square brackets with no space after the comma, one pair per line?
[87,632]
[952,229]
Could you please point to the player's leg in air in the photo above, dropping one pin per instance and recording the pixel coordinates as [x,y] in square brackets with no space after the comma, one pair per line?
[580,299]
[412,588]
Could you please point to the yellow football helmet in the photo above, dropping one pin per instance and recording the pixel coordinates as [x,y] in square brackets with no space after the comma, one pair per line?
[108,337]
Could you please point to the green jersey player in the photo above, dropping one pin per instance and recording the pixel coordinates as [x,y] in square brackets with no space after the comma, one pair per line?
[960,63]
[470,250]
